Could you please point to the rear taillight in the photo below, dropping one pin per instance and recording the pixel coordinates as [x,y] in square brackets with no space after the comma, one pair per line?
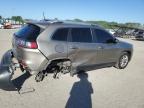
[26,44]
[31,45]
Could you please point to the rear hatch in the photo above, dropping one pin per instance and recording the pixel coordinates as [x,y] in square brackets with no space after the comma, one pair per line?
[26,36]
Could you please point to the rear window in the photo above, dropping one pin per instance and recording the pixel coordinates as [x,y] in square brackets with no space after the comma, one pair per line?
[29,32]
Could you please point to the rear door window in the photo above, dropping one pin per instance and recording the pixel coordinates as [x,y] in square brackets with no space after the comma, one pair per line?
[29,32]
[81,35]
[61,34]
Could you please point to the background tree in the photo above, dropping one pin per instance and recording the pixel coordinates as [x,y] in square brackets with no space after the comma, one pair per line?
[17,19]
[129,24]
[0,17]
[78,20]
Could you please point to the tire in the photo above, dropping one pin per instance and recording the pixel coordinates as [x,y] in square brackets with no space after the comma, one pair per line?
[39,77]
[21,68]
[123,61]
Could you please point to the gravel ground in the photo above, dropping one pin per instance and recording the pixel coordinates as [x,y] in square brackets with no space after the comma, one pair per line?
[104,88]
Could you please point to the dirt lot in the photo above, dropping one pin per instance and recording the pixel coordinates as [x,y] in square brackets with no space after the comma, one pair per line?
[104,88]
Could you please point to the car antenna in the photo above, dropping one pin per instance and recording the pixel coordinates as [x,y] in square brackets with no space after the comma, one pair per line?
[44,16]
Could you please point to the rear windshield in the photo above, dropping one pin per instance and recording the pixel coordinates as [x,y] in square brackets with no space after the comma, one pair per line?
[29,32]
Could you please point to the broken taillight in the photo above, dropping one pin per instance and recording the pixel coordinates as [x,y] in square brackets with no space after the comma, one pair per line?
[26,44]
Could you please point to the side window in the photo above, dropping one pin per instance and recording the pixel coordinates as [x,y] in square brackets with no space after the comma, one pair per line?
[81,35]
[102,36]
[61,34]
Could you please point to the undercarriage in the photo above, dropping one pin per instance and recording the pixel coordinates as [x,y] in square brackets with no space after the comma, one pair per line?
[56,67]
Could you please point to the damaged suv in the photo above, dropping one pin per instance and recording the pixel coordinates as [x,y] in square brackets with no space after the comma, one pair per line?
[61,47]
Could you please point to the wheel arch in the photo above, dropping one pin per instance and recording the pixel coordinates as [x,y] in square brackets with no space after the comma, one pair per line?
[129,53]
[46,63]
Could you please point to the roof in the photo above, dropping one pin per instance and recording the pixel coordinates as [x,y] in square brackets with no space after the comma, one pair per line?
[45,23]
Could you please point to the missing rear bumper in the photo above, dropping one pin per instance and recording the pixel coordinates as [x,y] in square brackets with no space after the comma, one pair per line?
[7,69]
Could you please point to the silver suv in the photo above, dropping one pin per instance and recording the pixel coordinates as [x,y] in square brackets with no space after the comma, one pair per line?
[66,47]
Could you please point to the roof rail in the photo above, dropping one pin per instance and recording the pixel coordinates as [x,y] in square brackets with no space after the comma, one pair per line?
[55,22]
[93,25]
[51,21]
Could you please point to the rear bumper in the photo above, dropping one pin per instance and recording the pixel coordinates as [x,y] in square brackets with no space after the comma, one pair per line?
[6,72]
[30,59]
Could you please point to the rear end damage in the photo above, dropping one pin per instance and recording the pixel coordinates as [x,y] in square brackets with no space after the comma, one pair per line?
[7,69]
[25,48]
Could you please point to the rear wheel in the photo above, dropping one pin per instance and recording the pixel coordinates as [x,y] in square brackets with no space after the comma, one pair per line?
[39,77]
[123,61]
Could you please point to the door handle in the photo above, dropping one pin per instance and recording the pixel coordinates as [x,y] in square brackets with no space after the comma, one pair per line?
[100,47]
[73,47]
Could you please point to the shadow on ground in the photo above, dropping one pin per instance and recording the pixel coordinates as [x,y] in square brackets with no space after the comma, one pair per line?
[18,82]
[80,94]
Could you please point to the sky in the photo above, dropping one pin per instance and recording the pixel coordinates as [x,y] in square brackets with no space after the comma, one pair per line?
[109,10]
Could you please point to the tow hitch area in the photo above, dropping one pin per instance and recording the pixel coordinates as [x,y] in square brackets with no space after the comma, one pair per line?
[7,69]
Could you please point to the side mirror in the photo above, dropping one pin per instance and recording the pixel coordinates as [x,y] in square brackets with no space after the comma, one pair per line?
[112,40]
[116,40]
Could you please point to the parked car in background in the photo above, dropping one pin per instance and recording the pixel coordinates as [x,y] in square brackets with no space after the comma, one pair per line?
[11,26]
[7,25]
[130,32]
[16,26]
[139,35]
[1,26]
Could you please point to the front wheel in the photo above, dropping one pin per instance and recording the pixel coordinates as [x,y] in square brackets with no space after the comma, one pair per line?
[123,61]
